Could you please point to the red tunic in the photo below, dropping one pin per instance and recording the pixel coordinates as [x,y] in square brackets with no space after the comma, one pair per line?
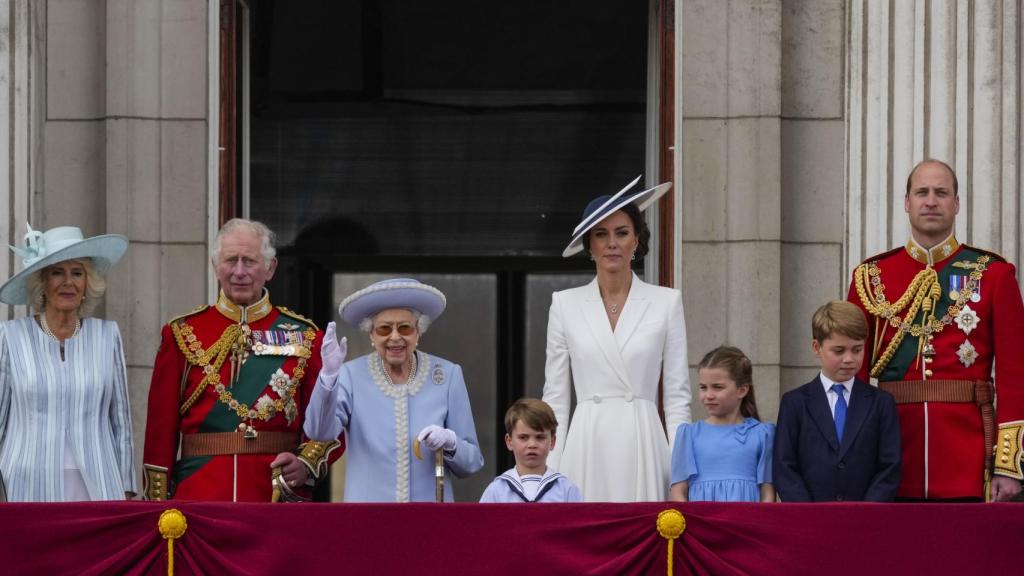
[235,477]
[944,451]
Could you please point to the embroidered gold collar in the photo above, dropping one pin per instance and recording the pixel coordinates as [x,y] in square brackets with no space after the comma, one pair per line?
[250,313]
[937,253]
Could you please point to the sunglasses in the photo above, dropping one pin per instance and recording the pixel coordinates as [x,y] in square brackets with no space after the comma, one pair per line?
[403,329]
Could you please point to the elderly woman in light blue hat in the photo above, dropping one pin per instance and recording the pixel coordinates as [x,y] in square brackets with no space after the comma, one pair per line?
[612,341]
[399,406]
[65,421]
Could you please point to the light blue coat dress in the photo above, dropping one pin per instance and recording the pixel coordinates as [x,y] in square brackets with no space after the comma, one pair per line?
[381,420]
[48,406]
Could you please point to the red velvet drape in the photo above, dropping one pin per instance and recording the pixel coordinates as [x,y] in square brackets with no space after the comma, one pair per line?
[720,539]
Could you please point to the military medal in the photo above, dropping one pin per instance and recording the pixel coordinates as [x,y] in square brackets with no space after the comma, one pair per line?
[967,320]
[279,343]
[967,353]
[956,286]
[976,295]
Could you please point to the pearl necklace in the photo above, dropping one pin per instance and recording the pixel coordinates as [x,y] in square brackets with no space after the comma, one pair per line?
[387,375]
[46,328]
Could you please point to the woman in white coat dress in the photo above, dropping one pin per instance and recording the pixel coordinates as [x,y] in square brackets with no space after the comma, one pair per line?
[613,339]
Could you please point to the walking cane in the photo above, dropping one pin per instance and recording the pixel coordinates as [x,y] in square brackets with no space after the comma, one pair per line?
[439,476]
[438,469]
[275,481]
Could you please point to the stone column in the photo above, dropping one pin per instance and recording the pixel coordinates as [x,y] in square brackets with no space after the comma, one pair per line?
[813,209]
[730,184]
[21,106]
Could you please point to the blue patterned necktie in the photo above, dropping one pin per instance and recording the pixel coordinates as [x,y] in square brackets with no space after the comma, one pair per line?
[840,410]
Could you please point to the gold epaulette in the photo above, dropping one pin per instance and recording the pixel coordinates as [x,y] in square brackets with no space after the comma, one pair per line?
[1008,449]
[297,316]
[195,311]
[994,255]
[155,482]
[315,454]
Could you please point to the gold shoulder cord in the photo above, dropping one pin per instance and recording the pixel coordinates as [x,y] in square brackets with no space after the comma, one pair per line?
[923,293]
[210,360]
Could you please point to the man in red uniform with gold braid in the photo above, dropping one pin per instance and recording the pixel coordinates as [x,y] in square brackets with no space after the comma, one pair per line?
[230,387]
[942,314]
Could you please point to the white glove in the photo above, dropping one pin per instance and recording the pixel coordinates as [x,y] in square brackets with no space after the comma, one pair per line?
[332,353]
[435,438]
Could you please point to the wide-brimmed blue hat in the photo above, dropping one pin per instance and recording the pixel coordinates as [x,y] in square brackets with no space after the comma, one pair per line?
[392,293]
[57,245]
[600,208]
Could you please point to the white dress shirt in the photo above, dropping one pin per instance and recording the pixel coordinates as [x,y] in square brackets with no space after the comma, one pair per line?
[832,396]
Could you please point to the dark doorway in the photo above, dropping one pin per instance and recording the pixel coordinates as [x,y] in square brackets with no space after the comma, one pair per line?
[445,140]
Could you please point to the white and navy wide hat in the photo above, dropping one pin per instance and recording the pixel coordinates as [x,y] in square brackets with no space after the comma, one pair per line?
[57,245]
[392,293]
[600,208]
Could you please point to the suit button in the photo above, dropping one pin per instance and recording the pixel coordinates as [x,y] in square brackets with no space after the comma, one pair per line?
[597,398]
[841,465]
[839,497]
[927,372]
[628,396]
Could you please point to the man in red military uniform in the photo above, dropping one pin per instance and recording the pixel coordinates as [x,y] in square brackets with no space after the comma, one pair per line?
[942,315]
[230,387]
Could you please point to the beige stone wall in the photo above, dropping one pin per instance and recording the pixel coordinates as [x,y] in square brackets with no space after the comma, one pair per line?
[812,143]
[731,186]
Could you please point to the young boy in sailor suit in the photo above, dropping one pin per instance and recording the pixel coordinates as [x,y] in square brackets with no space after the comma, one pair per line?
[530,434]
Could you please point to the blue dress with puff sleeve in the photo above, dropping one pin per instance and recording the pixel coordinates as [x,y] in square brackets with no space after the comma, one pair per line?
[723,462]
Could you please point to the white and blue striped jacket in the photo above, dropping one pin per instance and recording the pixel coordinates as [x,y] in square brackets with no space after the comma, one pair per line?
[47,405]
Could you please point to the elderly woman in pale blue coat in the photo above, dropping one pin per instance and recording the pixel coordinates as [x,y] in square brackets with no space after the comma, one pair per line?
[393,398]
[65,423]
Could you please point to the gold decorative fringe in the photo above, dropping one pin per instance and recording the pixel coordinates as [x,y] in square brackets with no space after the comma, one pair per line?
[172,525]
[671,525]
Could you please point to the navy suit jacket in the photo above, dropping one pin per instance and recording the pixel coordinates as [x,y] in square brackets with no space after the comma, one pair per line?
[810,465]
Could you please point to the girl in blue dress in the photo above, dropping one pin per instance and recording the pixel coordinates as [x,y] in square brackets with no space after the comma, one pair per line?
[727,457]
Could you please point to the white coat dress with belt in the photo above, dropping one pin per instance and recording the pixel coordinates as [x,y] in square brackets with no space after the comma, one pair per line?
[616,449]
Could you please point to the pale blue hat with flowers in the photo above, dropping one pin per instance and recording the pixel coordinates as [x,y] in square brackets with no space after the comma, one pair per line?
[392,293]
[604,206]
[42,249]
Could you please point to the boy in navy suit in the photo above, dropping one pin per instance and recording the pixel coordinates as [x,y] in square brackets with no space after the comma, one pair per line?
[838,437]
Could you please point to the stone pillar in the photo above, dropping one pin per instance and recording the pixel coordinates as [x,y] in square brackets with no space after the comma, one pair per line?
[813,208]
[730,184]
[21,107]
